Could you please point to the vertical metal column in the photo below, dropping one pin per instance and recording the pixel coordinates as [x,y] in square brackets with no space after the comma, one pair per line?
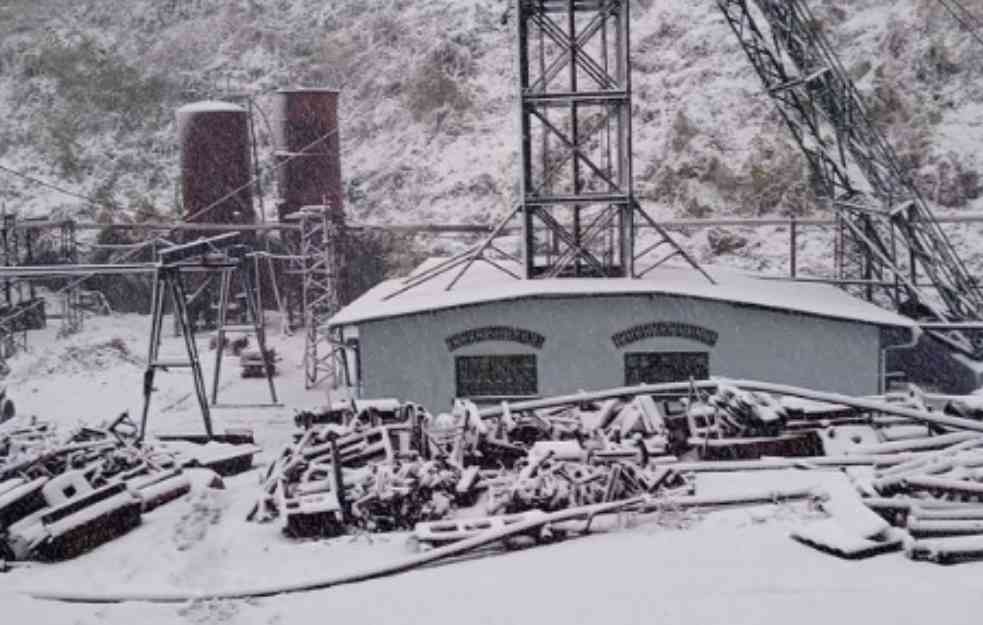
[255,327]
[888,232]
[167,280]
[577,204]
[8,345]
[225,287]
[571,193]
[72,313]
[322,229]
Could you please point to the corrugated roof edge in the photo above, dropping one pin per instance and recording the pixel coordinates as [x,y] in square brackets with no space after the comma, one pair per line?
[211,106]
[309,90]
[372,307]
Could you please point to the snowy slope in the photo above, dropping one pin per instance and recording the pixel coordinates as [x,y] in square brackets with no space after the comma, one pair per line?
[428,125]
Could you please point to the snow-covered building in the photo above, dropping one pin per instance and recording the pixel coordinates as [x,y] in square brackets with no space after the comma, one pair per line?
[494,337]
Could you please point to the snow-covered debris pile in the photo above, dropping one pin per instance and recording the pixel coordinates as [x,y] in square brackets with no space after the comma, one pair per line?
[402,466]
[62,494]
[80,358]
[936,497]
[384,465]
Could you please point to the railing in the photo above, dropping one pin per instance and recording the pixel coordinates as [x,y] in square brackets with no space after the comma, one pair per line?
[794,227]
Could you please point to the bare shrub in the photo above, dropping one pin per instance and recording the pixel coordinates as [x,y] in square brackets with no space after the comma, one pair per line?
[776,180]
[938,63]
[682,131]
[437,82]
[950,181]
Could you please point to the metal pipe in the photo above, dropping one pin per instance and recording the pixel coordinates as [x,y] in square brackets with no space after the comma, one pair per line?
[493,412]
[912,342]
[47,271]
[372,572]
[526,527]
[861,403]
[793,244]
[753,222]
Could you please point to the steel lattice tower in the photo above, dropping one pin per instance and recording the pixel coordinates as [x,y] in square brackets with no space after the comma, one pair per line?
[578,212]
[889,238]
[575,150]
[321,229]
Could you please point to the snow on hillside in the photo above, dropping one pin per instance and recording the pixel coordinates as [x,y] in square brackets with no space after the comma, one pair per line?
[427,118]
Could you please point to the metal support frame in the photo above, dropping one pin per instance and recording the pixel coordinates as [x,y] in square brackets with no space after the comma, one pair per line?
[23,309]
[322,231]
[168,282]
[888,233]
[73,316]
[175,262]
[578,213]
[11,340]
[256,327]
[577,207]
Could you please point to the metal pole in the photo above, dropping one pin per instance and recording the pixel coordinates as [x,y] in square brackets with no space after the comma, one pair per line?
[256,170]
[868,261]
[223,312]
[793,244]
[29,239]
[525,145]
[574,133]
[181,310]
[259,289]
[249,286]
[156,321]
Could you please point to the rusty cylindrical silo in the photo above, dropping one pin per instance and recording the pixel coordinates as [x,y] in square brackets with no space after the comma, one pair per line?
[215,163]
[306,137]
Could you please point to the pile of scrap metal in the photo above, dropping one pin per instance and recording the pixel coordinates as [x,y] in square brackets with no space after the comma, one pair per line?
[934,497]
[64,494]
[252,362]
[229,453]
[380,465]
[61,496]
[7,408]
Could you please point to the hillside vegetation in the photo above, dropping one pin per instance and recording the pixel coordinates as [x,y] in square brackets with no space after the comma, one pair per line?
[89,90]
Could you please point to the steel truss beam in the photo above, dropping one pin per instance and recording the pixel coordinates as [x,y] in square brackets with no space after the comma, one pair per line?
[321,238]
[889,234]
[248,295]
[22,307]
[578,210]
[575,113]
[578,214]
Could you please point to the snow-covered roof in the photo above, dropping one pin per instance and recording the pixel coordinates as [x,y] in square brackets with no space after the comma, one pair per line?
[483,283]
[309,90]
[210,106]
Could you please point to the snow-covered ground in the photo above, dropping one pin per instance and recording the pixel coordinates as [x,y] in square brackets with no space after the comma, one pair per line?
[727,567]
[734,566]
[416,153]
[96,374]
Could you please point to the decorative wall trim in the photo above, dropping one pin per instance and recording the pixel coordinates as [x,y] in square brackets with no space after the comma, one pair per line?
[495,333]
[665,329]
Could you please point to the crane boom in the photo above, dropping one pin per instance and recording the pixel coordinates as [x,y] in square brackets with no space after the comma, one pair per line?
[884,216]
